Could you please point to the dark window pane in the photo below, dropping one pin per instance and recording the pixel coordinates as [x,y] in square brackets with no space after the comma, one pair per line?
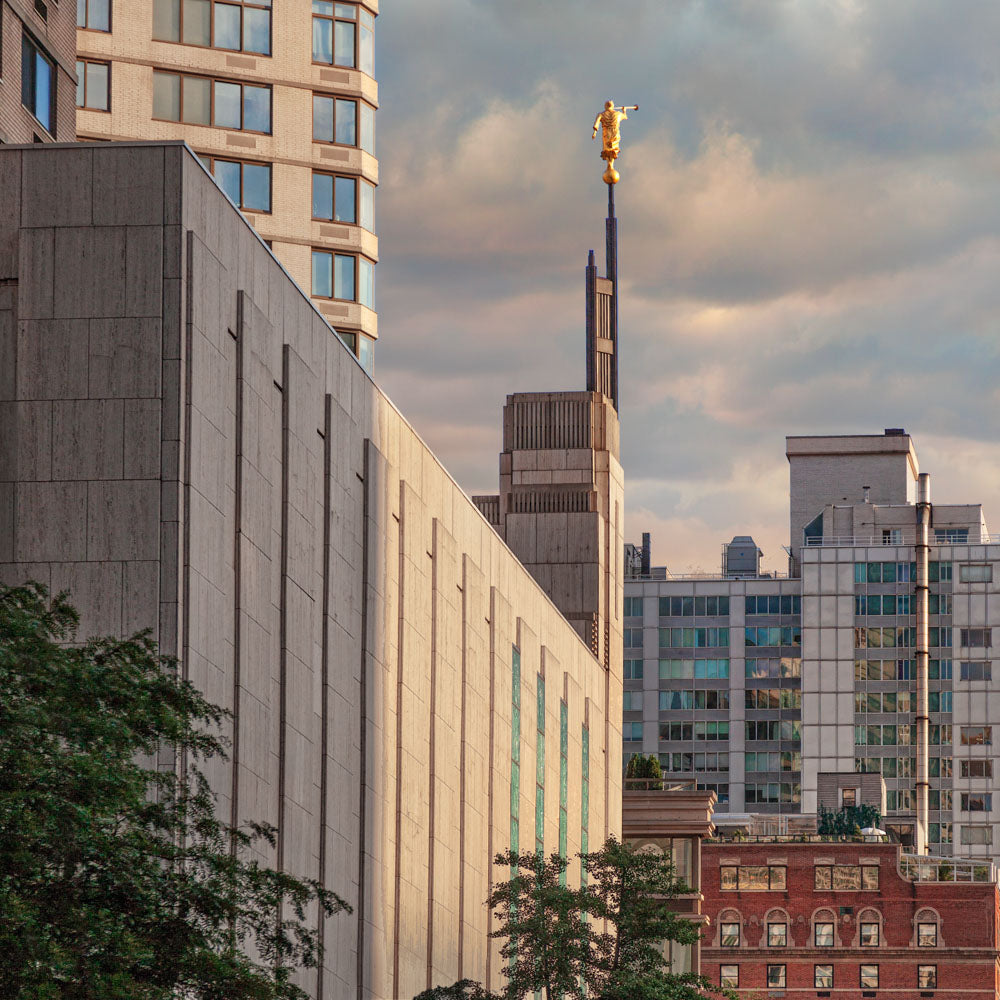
[227,175]
[257,187]
[167,96]
[346,126]
[322,277]
[97,86]
[227,26]
[197,22]
[36,83]
[343,43]
[322,40]
[343,278]
[346,210]
[257,109]
[323,118]
[167,20]
[322,201]
[257,31]
[227,105]
[197,100]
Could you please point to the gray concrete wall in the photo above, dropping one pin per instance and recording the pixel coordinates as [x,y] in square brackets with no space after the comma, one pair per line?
[186,447]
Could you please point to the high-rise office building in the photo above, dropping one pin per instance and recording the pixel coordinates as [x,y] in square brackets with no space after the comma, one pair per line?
[757,684]
[278,101]
[37,45]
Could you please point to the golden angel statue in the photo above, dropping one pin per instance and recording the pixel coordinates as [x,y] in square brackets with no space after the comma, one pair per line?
[609,122]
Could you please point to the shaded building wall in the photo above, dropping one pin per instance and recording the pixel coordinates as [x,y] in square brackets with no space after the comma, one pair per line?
[187,447]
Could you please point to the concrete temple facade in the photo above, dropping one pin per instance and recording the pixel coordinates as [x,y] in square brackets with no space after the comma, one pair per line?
[187,447]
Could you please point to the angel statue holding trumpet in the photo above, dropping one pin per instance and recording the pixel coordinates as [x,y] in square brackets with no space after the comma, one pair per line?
[609,122]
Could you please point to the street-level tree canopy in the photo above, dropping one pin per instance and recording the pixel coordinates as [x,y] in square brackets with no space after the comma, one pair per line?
[117,878]
[604,940]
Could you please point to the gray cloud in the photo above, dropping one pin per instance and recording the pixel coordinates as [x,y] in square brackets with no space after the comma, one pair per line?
[810,219]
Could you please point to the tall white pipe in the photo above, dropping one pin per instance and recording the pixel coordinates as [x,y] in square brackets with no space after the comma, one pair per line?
[923,654]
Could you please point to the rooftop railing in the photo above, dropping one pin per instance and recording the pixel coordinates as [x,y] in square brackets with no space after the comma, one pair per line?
[659,785]
[904,538]
[924,868]
[666,578]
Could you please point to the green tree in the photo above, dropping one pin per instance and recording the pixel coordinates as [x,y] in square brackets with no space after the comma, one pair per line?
[117,879]
[644,772]
[555,941]
[545,932]
[631,891]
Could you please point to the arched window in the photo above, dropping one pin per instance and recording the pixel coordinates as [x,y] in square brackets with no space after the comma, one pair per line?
[777,929]
[927,929]
[730,929]
[869,929]
[824,929]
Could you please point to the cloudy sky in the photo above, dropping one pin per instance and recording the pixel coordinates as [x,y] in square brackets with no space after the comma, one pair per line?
[809,223]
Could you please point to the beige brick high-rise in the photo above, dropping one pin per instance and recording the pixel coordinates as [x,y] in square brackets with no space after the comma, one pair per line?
[216,67]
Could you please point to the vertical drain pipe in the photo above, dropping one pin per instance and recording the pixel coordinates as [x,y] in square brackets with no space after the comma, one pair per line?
[923,653]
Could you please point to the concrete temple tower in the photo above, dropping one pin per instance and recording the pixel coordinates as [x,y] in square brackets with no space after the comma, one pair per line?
[561,499]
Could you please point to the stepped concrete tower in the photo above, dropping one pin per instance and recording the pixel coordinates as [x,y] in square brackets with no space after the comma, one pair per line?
[561,499]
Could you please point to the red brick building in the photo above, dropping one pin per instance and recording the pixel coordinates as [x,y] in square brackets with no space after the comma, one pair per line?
[848,920]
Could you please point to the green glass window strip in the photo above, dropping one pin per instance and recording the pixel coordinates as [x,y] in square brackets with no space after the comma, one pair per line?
[540,770]
[515,749]
[585,800]
[563,782]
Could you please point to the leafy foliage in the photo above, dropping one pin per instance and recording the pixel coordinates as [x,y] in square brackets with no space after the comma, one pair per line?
[630,890]
[603,940]
[645,772]
[846,821]
[117,879]
[546,935]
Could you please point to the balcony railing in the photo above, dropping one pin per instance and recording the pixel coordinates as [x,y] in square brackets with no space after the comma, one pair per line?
[924,868]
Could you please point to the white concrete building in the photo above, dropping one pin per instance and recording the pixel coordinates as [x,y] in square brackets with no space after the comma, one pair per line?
[755,684]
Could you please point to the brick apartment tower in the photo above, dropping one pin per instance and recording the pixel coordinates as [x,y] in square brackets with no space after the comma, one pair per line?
[561,498]
[37,82]
[278,101]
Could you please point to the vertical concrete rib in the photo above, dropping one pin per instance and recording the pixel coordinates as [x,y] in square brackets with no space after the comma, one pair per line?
[237,559]
[435,603]
[461,771]
[324,748]
[184,582]
[283,607]
[400,620]
[366,486]
[489,792]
